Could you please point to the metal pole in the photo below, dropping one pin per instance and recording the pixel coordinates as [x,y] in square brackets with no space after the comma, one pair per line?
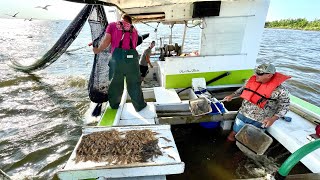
[184,36]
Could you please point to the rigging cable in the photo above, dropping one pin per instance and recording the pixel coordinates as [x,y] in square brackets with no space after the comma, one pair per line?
[155,28]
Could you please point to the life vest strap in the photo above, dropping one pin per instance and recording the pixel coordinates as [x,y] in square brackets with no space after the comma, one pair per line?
[262,99]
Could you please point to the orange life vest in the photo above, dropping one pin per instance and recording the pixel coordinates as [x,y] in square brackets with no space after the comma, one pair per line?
[259,93]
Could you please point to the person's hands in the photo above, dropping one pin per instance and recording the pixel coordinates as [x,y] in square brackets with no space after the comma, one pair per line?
[228,98]
[151,66]
[95,50]
[267,122]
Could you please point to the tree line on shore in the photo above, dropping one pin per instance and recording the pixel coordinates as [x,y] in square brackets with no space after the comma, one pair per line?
[300,23]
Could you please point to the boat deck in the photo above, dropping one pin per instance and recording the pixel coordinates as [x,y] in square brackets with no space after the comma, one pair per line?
[293,135]
[129,119]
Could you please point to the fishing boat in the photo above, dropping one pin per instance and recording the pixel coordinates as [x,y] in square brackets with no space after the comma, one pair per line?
[231,32]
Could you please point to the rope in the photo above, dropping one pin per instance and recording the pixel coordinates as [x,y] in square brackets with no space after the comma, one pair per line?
[76,49]
[155,28]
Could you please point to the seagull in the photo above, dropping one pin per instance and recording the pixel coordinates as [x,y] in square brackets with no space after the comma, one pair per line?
[45,7]
[28,19]
[15,15]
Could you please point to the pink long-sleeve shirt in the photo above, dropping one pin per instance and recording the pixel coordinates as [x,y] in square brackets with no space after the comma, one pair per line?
[115,30]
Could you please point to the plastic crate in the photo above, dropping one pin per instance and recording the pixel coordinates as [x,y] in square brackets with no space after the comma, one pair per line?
[254,139]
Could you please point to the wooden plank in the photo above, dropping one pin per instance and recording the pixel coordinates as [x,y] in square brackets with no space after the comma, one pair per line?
[231,115]
[166,96]
[161,165]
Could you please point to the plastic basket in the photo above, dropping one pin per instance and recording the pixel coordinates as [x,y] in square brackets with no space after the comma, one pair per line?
[217,108]
[254,139]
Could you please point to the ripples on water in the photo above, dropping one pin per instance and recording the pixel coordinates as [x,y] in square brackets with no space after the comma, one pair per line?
[295,53]
[41,114]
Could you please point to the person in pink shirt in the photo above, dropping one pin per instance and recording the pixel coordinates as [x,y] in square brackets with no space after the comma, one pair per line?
[124,62]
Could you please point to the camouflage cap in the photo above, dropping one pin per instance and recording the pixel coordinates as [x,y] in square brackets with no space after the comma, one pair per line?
[265,68]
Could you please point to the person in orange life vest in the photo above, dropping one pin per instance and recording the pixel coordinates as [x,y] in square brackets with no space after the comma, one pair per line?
[124,63]
[265,99]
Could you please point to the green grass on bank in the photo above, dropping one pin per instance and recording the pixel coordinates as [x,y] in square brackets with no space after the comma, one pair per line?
[300,23]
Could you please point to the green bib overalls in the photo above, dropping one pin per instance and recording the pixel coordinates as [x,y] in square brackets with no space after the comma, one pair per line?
[125,63]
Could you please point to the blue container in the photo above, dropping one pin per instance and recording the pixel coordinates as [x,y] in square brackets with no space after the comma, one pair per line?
[210,125]
[216,111]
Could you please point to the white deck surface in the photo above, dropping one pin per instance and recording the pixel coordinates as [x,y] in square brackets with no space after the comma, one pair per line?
[162,165]
[130,122]
[130,117]
[293,135]
[128,112]
[166,96]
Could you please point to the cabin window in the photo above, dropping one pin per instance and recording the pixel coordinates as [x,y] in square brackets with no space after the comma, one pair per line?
[206,9]
[161,34]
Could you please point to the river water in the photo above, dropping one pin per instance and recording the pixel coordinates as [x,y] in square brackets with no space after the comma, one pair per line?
[41,115]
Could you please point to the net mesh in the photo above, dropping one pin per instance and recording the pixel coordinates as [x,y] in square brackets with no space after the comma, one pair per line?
[99,81]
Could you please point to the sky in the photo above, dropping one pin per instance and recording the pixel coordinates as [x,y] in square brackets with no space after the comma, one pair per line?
[285,9]
[59,9]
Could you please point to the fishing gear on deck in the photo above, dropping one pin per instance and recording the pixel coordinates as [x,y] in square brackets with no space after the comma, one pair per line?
[206,103]
[99,78]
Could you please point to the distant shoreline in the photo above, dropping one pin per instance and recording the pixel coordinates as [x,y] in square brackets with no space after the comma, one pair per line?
[294,24]
[289,28]
[297,24]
